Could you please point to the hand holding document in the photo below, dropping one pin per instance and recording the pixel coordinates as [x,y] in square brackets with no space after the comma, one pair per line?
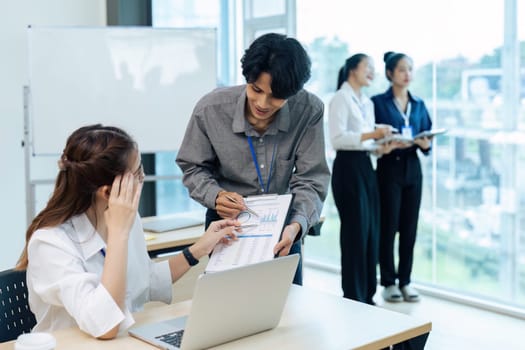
[230,204]
[259,232]
[390,127]
[394,138]
[233,200]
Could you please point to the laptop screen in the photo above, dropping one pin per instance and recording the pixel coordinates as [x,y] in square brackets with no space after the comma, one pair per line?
[228,305]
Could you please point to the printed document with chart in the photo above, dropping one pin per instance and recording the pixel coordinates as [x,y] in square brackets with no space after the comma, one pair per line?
[261,232]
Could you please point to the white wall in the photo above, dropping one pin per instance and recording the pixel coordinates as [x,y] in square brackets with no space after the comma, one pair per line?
[15,16]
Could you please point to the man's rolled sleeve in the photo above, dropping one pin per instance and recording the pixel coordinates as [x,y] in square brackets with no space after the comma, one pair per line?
[301,220]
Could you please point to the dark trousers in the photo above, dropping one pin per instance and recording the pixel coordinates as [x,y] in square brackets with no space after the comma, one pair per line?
[400,185]
[211,215]
[354,186]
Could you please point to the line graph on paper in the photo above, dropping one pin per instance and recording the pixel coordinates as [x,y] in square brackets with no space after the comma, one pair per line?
[258,235]
[268,219]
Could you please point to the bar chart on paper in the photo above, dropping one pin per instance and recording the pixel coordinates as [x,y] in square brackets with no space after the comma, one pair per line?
[258,236]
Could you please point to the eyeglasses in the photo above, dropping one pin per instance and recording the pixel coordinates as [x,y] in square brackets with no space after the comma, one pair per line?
[139,173]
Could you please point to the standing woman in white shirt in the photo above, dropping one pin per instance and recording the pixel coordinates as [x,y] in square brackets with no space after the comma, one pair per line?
[85,255]
[354,184]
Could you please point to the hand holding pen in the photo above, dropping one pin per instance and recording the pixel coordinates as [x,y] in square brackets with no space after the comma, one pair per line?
[230,204]
[390,128]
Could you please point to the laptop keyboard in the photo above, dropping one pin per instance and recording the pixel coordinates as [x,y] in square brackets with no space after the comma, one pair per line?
[173,338]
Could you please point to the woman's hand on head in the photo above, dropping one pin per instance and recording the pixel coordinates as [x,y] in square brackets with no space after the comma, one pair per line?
[123,204]
[222,231]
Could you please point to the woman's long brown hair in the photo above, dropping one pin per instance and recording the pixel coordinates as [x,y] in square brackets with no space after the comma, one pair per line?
[93,156]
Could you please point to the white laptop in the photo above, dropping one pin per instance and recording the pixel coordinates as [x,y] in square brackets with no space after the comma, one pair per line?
[227,305]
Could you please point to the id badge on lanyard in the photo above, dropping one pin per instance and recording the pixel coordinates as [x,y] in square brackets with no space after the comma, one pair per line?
[406,131]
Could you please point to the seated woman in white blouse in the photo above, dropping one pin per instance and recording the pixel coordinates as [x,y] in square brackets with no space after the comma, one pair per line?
[85,255]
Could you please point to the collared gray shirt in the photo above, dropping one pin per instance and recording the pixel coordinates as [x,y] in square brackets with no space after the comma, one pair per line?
[215,153]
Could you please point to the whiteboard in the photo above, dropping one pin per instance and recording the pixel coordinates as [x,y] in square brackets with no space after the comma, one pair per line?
[145,80]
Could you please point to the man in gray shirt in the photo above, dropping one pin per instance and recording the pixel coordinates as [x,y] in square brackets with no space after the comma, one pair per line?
[262,137]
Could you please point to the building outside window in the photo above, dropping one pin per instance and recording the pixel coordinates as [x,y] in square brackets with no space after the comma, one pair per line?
[471,233]
[470,236]
[256,17]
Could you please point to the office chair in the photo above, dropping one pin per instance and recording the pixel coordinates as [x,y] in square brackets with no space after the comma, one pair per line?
[15,316]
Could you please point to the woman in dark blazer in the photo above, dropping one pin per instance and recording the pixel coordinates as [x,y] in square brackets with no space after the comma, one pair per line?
[399,177]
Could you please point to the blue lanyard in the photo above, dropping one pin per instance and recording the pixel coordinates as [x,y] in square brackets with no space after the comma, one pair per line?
[256,163]
[103,252]
[406,116]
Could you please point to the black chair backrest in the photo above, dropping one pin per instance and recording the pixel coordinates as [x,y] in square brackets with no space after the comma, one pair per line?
[15,316]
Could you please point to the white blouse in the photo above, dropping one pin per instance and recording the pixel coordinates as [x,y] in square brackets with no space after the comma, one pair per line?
[63,279]
[348,118]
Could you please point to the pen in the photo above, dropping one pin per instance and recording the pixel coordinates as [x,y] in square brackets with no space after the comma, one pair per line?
[392,129]
[233,200]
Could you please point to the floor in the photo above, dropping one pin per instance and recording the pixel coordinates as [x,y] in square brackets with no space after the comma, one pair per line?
[454,326]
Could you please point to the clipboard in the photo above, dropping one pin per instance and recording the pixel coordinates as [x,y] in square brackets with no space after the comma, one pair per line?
[394,137]
[430,133]
[409,140]
[261,233]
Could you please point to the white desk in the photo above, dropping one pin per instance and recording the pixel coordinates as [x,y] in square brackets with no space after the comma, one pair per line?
[171,240]
[311,320]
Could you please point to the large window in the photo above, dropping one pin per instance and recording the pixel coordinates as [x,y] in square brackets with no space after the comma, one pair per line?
[267,16]
[171,195]
[256,17]
[470,236]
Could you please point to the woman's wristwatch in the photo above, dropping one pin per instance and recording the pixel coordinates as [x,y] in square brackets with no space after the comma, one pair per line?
[189,257]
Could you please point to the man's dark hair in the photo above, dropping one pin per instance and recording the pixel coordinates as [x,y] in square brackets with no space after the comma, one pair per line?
[283,58]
